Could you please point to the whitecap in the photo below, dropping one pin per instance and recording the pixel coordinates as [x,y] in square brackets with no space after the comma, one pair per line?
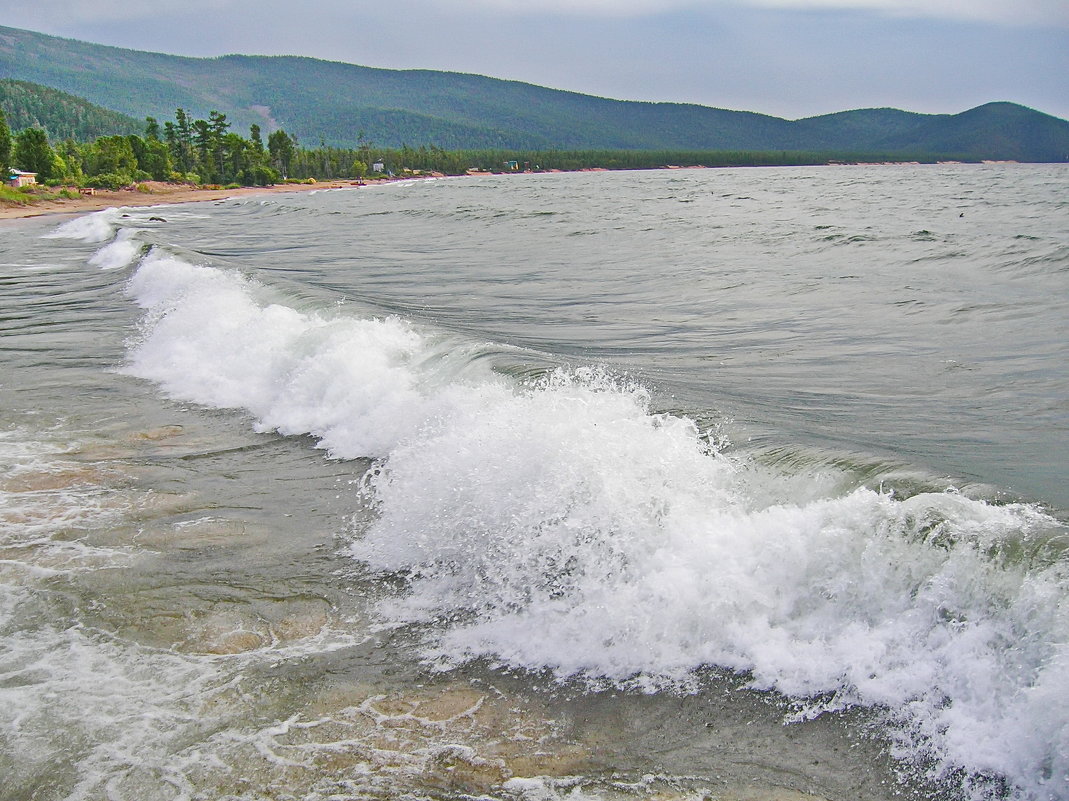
[121,252]
[96,227]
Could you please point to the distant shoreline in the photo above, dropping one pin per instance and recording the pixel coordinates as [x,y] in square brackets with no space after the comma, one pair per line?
[159,194]
[164,194]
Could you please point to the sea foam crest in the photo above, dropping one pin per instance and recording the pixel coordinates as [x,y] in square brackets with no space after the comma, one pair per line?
[121,252]
[96,227]
[563,526]
[354,384]
[101,226]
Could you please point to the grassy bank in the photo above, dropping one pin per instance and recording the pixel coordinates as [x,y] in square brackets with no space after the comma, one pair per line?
[32,195]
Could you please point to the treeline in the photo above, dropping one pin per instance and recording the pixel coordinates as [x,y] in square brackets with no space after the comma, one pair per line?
[334,163]
[186,150]
[207,152]
[453,162]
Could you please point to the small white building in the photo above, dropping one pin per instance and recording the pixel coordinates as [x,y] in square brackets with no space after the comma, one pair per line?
[378,166]
[19,178]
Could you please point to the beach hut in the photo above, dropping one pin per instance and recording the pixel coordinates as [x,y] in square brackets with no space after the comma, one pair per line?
[18,178]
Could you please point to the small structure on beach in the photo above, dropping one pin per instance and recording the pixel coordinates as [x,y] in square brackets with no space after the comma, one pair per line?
[17,178]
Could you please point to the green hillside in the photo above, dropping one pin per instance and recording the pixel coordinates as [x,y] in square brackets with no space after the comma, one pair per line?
[844,129]
[61,115]
[334,103]
[991,131]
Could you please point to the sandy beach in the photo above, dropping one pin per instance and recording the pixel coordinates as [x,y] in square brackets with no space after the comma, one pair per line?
[158,194]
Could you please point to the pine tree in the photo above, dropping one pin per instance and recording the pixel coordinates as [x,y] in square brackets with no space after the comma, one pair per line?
[218,125]
[5,148]
[281,148]
[254,136]
[203,139]
[182,148]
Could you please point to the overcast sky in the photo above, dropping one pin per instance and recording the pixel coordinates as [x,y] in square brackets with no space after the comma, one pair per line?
[790,58]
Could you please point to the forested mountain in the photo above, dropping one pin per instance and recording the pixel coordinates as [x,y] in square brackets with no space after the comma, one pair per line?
[61,115]
[334,103]
[1000,130]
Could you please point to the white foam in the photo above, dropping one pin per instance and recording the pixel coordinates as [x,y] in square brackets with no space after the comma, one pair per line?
[351,383]
[87,714]
[96,227]
[563,526]
[73,697]
[43,498]
[101,226]
[571,530]
[121,252]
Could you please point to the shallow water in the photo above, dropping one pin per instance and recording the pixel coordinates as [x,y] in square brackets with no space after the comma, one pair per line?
[538,487]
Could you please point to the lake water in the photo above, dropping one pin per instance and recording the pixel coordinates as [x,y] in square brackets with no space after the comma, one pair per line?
[685,484]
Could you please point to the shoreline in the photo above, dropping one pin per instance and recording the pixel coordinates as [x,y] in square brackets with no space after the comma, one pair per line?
[165,194]
[160,194]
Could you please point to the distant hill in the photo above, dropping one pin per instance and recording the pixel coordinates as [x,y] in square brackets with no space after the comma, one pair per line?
[333,102]
[61,115]
[993,131]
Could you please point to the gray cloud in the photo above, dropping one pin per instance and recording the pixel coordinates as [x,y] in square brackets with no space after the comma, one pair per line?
[790,58]
[1019,12]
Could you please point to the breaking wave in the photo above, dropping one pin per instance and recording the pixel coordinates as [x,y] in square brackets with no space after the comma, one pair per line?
[561,525]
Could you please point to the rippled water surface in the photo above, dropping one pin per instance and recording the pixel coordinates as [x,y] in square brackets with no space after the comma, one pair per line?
[740,484]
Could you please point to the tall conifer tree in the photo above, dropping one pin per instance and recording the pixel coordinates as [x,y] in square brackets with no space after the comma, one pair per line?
[5,148]
[255,138]
[281,148]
